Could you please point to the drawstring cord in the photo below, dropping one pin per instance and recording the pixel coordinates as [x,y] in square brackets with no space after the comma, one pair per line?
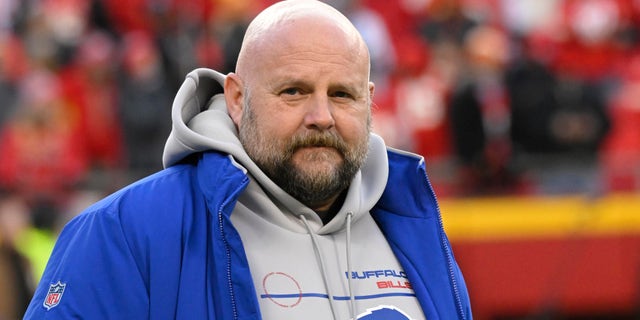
[316,250]
[352,297]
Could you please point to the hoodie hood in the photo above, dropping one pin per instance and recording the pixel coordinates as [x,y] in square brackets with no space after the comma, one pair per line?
[201,123]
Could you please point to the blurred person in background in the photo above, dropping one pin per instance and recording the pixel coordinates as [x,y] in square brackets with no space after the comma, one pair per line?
[274,192]
[480,115]
[41,168]
[16,281]
[144,103]
[620,153]
[53,29]
[376,35]
[559,86]
[228,25]
[41,157]
[445,22]
[590,40]
[89,85]
[12,68]
[417,101]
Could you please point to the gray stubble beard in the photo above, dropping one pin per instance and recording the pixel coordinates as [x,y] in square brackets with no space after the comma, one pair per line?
[275,159]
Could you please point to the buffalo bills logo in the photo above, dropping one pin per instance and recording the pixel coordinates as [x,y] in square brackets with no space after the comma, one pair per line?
[54,295]
[384,313]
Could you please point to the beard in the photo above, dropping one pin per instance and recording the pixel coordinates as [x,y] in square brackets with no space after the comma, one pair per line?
[311,185]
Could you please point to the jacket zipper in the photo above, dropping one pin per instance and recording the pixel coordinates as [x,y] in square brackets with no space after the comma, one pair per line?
[234,308]
[449,255]
[227,248]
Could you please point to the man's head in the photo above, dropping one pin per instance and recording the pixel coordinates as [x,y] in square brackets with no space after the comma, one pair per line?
[301,97]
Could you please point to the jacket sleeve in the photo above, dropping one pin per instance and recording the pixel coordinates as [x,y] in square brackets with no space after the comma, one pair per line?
[92,273]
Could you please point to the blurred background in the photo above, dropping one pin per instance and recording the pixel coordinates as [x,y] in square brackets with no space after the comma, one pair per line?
[527,112]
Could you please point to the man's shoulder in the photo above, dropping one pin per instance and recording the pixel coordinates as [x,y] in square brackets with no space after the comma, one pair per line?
[152,200]
[159,188]
[169,200]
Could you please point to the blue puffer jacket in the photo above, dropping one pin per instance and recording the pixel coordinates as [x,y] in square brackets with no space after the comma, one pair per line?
[164,248]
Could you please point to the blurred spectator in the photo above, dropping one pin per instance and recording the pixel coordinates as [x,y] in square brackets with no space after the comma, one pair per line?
[39,44]
[480,115]
[53,29]
[89,85]
[16,283]
[178,35]
[12,68]
[41,158]
[524,17]
[554,112]
[419,96]
[401,100]
[227,26]
[532,92]
[68,22]
[558,124]
[144,104]
[414,112]
[446,22]
[9,16]
[376,34]
[132,15]
[620,154]
[399,18]
[590,47]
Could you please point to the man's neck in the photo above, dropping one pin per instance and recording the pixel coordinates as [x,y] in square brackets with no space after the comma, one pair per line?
[327,214]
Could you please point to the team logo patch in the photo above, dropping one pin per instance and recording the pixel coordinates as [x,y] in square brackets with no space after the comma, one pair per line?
[54,295]
[384,313]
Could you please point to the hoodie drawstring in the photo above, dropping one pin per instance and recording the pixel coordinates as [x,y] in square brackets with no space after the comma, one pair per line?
[352,297]
[316,250]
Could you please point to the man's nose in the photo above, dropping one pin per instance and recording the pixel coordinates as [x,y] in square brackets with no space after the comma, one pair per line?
[320,113]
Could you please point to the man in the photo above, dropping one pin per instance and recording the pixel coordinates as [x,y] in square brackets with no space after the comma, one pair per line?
[277,202]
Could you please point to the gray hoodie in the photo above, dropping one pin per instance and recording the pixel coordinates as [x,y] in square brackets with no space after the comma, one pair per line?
[300,266]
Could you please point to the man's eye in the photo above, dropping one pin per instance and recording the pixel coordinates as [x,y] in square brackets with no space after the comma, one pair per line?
[342,94]
[290,91]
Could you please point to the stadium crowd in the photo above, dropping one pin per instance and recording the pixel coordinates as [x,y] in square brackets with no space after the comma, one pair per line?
[501,97]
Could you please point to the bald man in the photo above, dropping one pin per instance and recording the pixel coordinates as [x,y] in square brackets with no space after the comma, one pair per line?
[276,201]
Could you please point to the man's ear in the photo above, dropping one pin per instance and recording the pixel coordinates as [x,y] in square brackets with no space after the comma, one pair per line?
[372,89]
[234,97]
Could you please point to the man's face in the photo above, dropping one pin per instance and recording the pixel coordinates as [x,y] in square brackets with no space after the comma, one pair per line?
[311,166]
[306,119]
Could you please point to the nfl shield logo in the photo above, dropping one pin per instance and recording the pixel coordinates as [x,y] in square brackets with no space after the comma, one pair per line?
[54,295]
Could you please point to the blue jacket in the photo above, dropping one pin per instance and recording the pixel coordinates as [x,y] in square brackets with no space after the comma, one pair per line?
[164,248]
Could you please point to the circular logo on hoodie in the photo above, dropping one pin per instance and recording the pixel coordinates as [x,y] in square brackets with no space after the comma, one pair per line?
[282,289]
[384,313]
